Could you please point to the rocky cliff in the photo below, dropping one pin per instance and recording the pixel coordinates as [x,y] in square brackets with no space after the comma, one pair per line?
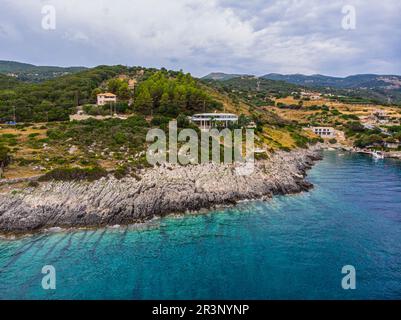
[156,192]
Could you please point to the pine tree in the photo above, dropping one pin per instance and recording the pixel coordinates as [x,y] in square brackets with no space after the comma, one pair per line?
[164,102]
[143,102]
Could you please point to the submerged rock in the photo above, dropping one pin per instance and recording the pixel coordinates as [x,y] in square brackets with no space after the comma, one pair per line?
[158,192]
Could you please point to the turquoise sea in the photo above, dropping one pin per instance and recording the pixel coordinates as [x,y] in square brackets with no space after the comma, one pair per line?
[292,247]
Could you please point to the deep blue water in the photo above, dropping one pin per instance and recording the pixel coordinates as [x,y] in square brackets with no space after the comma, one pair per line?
[292,247]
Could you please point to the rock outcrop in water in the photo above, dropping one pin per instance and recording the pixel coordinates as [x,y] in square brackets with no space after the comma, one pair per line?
[158,192]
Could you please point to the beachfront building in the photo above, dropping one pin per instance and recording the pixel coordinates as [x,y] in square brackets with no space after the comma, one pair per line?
[310,95]
[324,132]
[206,121]
[105,98]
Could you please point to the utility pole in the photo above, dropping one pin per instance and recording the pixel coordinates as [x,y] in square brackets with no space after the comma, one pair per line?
[14,115]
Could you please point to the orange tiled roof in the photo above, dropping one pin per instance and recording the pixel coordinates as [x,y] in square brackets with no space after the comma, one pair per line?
[107,94]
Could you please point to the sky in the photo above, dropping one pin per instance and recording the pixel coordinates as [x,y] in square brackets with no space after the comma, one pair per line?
[203,36]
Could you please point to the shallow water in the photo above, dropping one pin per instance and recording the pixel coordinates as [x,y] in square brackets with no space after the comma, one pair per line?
[292,247]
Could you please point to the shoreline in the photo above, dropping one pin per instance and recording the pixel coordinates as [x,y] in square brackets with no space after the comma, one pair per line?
[159,192]
[387,154]
[146,224]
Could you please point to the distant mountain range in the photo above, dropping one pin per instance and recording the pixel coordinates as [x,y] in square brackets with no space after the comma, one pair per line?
[31,73]
[360,81]
[220,76]
[376,88]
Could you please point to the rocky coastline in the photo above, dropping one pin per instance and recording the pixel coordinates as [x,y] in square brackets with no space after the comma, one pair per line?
[156,192]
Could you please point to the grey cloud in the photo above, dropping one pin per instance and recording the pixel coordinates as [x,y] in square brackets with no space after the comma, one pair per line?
[201,36]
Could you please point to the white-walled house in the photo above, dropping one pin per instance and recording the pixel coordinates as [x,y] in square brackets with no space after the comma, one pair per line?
[105,98]
[311,95]
[324,132]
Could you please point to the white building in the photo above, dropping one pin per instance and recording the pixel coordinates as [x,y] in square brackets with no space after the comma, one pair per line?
[392,144]
[315,97]
[105,98]
[207,121]
[324,132]
[311,95]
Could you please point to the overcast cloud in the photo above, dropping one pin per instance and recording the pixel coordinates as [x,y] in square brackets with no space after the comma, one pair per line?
[201,36]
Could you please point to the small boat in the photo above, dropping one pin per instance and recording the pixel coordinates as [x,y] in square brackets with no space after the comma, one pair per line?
[377,155]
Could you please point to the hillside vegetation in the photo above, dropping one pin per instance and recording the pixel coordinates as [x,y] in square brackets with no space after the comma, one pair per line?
[362,88]
[164,92]
[31,73]
[254,91]
[53,100]
[47,141]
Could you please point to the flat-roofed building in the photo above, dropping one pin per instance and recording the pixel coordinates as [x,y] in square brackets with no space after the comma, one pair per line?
[207,121]
[324,132]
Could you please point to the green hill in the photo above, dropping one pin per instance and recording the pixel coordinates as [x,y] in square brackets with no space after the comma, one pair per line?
[254,91]
[52,99]
[7,82]
[157,92]
[220,76]
[31,73]
[360,81]
[380,89]
[60,147]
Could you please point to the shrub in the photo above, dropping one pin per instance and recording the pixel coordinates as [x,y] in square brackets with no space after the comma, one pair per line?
[349,117]
[300,140]
[333,141]
[137,121]
[95,110]
[4,158]
[366,140]
[261,156]
[354,127]
[8,135]
[286,149]
[121,172]
[121,107]
[33,184]
[55,134]
[182,121]
[159,121]
[71,174]
[120,138]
